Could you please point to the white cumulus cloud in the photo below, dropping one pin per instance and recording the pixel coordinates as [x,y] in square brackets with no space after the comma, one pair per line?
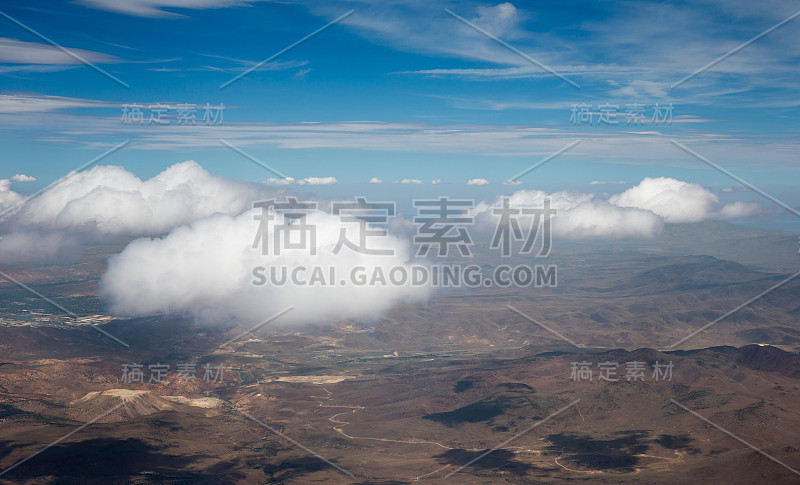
[737,188]
[317,181]
[206,270]
[639,212]
[23,178]
[577,215]
[111,200]
[740,209]
[108,201]
[674,200]
[601,219]
[8,198]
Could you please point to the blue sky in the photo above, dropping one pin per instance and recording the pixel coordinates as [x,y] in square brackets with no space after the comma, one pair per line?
[403,90]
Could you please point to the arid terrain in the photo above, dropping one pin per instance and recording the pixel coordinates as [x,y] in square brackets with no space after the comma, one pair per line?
[429,388]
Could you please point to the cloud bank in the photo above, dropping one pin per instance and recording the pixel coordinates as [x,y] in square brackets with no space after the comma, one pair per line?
[201,264]
[205,269]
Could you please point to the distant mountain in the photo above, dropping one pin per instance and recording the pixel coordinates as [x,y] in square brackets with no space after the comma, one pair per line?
[764,358]
[694,273]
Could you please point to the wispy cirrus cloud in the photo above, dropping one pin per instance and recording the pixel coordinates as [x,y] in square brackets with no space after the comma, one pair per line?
[424,27]
[40,117]
[303,181]
[21,56]
[637,58]
[27,103]
[522,72]
[317,181]
[157,8]
[240,65]
[14,51]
